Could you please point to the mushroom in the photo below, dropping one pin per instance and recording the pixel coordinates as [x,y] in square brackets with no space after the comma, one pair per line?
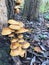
[15,52]
[18,1]
[6,31]
[25,45]
[14,45]
[14,40]
[47,25]
[11,21]
[21,30]
[14,27]
[17,10]
[16,7]
[21,40]
[37,49]
[20,36]
[11,35]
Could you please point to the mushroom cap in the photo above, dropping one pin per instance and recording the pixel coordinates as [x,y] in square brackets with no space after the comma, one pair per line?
[17,10]
[14,52]
[14,40]
[47,25]
[11,35]
[21,30]
[14,27]
[11,21]
[16,7]
[14,45]
[20,36]
[18,1]
[6,31]
[21,40]
[25,45]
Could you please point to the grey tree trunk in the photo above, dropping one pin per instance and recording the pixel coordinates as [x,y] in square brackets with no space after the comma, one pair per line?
[3,13]
[31,9]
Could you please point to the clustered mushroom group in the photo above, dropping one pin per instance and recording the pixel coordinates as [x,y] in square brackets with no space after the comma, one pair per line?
[15,32]
[17,7]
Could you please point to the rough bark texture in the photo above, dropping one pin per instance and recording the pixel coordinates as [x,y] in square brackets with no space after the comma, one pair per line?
[31,9]
[3,12]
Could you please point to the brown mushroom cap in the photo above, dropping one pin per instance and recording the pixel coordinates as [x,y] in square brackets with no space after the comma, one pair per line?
[47,25]
[17,10]
[11,35]
[11,21]
[21,40]
[16,7]
[14,27]
[25,45]
[22,30]
[14,52]
[14,45]
[18,1]
[6,31]
[20,36]
[14,40]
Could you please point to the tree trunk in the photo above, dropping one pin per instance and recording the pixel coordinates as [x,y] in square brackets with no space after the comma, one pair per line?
[31,9]
[3,13]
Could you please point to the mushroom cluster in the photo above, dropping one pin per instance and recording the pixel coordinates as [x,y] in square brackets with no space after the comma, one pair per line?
[15,32]
[17,7]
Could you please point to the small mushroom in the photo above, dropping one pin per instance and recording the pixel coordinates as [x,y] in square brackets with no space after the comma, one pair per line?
[16,7]
[18,1]
[14,45]
[47,25]
[11,21]
[15,52]
[25,45]
[20,36]
[14,27]
[11,35]
[21,30]
[14,40]
[21,40]
[17,10]
[6,31]
[37,49]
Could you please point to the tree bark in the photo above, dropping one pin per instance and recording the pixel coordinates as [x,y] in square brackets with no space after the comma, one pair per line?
[31,9]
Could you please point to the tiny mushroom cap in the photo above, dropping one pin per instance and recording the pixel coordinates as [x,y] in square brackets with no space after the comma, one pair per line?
[16,7]
[25,45]
[21,40]
[11,21]
[22,30]
[18,1]
[14,45]
[37,49]
[11,35]
[20,36]
[47,25]
[14,27]
[14,40]
[17,10]
[6,31]
[15,52]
